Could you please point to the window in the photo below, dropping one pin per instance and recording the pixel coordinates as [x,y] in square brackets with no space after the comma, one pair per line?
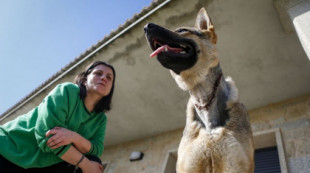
[268,145]
[170,162]
[267,160]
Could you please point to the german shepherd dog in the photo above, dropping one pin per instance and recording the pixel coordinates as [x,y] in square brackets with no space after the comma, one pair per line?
[217,137]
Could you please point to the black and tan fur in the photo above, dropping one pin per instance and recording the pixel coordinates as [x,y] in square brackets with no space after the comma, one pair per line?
[217,137]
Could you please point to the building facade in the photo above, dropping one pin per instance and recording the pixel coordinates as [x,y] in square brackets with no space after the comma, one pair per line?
[262,45]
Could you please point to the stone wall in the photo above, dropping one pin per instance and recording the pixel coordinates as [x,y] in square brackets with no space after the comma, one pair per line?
[155,149]
[292,117]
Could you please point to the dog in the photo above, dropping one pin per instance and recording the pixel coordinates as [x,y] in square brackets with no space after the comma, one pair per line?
[217,137]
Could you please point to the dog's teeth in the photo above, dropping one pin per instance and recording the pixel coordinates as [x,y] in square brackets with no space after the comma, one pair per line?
[183,52]
[182,46]
[166,49]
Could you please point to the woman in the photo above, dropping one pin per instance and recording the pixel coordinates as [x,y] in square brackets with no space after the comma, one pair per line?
[69,124]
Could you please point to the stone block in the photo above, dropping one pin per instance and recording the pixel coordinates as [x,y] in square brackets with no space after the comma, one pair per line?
[299,165]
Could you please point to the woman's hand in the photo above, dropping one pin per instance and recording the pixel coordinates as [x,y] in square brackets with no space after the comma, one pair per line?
[61,136]
[89,166]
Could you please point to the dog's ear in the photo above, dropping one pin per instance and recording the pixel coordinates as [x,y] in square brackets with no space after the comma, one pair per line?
[204,23]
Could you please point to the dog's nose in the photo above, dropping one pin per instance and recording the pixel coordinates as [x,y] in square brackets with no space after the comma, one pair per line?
[148,26]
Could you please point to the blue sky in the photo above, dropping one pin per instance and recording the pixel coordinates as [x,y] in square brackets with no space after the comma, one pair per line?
[39,37]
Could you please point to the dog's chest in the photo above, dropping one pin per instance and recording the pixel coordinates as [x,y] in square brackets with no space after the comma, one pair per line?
[207,150]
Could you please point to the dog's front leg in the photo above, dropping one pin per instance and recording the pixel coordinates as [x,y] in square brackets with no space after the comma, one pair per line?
[190,111]
[192,127]
[191,130]
[189,152]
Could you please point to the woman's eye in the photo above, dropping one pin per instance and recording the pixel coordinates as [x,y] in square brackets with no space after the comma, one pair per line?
[98,74]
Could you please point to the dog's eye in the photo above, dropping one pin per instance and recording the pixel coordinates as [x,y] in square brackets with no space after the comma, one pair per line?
[181,30]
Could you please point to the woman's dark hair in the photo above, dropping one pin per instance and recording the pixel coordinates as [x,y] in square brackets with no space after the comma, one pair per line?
[104,105]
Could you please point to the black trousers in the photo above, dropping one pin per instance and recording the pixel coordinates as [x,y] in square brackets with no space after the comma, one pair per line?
[62,167]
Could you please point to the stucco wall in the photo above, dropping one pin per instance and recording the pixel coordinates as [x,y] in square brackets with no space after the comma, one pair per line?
[292,117]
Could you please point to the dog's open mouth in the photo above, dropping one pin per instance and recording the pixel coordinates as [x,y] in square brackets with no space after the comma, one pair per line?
[174,49]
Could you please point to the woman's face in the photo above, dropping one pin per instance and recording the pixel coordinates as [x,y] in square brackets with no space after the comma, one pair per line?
[99,81]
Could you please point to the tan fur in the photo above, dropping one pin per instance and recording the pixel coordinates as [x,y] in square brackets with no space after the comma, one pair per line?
[222,149]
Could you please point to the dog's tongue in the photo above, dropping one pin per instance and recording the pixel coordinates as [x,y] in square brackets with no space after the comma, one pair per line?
[166,48]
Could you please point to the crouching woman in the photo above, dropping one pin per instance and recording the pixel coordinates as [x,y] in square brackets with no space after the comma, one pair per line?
[65,133]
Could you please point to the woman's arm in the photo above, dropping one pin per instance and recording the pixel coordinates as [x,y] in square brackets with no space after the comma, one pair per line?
[62,136]
[73,156]
[53,111]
